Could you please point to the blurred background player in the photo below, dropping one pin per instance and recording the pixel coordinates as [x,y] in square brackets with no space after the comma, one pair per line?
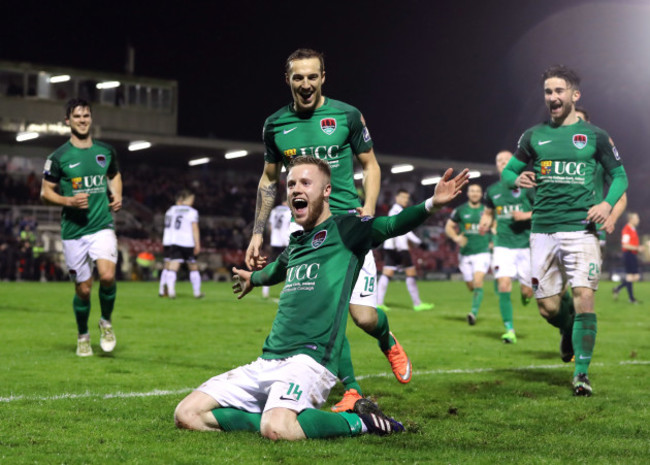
[167,241]
[564,152]
[84,170]
[630,247]
[397,255]
[512,209]
[280,222]
[317,126]
[186,243]
[474,254]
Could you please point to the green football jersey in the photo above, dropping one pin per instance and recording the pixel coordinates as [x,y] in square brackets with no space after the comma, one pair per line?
[564,159]
[335,132]
[319,268]
[510,233]
[80,171]
[467,218]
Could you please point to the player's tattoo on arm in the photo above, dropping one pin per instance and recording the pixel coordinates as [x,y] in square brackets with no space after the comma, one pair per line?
[265,200]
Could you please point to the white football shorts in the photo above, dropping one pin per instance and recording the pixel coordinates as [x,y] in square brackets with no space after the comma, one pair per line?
[365,289]
[296,383]
[470,264]
[80,254]
[512,263]
[564,257]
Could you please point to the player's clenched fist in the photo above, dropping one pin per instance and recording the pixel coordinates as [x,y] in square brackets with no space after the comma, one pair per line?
[79,201]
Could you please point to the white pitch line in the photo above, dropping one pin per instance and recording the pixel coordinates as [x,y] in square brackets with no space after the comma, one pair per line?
[160,392]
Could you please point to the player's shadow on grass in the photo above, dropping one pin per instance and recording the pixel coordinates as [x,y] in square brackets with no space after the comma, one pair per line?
[555,377]
[543,355]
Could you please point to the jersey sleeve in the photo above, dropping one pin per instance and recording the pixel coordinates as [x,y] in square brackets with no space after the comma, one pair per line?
[52,169]
[487,198]
[455,216]
[607,155]
[511,171]
[113,167]
[360,139]
[524,150]
[194,216]
[408,219]
[271,152]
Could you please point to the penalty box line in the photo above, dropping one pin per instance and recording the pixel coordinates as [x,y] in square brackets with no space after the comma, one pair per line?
[160,392]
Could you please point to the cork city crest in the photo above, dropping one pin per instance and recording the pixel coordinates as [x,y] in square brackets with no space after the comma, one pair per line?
[101,160]
[580,140]
[328,125]
[319,238]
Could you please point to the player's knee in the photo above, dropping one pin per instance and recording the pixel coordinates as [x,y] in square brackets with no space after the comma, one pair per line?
[276,430]
[184,418]
[107,278]
[83,290]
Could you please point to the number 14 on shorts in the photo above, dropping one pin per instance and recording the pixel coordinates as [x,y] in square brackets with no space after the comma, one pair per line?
[294,392]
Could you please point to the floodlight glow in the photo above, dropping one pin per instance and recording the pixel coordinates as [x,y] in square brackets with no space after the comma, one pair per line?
[199,161]
[430,181]
[139,145]
[358,175]
[59,78]
[108,84]
[236,154]
[474,174]
[23,136]
[401,169]
[283,170]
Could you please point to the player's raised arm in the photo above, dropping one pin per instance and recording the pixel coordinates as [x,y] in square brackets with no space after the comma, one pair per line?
[266,193]
[409,218]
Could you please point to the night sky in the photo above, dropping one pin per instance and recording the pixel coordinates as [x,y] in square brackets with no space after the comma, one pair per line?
[433,79]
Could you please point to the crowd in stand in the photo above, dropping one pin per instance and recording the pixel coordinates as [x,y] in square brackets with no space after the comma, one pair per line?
[226,202]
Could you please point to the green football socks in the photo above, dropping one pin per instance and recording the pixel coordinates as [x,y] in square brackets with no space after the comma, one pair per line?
[477,298]
[346,370]
[382,332]
[318,424]
[584,340]
[314,423]
[505,305]
[81,312]
[564,318]
[232,419]
[107,300]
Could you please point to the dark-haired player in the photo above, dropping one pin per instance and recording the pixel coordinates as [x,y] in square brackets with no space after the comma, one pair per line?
[565,152]
[316,126]
[83,171]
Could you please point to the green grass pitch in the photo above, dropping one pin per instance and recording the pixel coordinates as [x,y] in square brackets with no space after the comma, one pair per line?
[472,399]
